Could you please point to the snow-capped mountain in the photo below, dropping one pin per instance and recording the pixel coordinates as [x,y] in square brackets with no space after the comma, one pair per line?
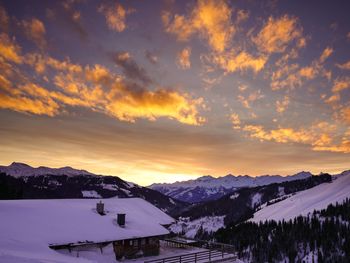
[208,188]
[21,169]
[21,181]
[307,201]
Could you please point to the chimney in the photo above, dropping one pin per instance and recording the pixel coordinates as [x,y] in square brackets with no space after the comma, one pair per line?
[121,220]
[100,207]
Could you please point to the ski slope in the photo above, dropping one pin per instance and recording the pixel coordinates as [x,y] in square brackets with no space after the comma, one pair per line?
[305,202]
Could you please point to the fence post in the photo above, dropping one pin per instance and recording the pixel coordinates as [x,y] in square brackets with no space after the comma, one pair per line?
[180,258]
[195,258]
[222,251]
[209,255]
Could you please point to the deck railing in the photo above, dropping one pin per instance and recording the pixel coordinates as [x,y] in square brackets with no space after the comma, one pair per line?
[202,256]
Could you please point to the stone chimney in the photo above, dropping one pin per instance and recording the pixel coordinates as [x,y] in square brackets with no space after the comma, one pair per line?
[121,219]
[100,208]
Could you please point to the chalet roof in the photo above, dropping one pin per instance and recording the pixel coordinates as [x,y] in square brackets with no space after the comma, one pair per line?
[76,220]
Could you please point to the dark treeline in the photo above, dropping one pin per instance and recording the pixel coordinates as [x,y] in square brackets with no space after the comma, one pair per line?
[324,236]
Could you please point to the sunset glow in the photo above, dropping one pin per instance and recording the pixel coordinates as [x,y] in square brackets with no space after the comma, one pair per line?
[162,91]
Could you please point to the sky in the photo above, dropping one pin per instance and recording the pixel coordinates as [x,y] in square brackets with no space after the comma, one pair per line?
[162,91]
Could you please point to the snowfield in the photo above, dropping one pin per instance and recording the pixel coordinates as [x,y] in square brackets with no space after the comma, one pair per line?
[208,224]
[28,227]
[305,202]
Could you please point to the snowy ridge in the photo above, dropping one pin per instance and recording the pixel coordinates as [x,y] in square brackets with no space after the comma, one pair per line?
[21,169]
[305,202]
[209,188]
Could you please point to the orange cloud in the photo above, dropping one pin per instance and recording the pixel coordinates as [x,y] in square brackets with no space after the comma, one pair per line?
[152,105]
[115,16]
[281,106]
[345,115]
[9,50]
[292,76]
[277,33]
[28,105]
[242,61]
[319,136]
[341,84]
[236,121]
[35,31]
[183,58]
[94,87]
[210,19]
[325,54]
[345,66]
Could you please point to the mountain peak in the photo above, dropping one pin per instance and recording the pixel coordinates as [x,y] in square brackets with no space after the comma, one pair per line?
[19,165]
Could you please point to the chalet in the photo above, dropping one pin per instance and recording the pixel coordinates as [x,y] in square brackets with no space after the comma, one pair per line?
[132,225]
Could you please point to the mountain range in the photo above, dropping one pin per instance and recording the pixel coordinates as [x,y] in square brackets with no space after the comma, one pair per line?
[208,188]
[21,181]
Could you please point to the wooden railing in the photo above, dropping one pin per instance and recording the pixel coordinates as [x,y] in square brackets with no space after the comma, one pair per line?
[202,256]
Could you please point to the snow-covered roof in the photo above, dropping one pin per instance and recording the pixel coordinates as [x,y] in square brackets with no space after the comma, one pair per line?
[76,220]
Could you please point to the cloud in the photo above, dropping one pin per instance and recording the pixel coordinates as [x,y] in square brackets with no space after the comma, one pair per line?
[28,105]
[152,105]
[340,84]
[320,136]
[326,53]
[115,16]
[152,58]
[345,66]
[35,30]
[9,50]
[282,105]
[65,13]
[93,87]
[4,19]
[130,68]
[345,115]
[210,19]
[333,99]
[183,58]
[292,75]
[233,61]
[278,33]
[252,97]
[236,121]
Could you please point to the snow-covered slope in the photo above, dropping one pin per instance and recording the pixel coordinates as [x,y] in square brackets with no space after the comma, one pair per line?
[307,201]
[210,188]
[21,169]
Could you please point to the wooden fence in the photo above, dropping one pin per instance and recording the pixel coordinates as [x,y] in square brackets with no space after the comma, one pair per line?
[202,256]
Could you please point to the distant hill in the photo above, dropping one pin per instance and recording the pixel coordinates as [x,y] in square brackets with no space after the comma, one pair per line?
[208,188]
[21,181]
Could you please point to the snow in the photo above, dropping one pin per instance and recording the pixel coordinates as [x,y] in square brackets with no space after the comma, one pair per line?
[234,196]
[90,194]
[231,181]
[111,187]
[21,169]
[256,200]
[209,224]
[305,202]
[108,256]
[211,185]
[29,226]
